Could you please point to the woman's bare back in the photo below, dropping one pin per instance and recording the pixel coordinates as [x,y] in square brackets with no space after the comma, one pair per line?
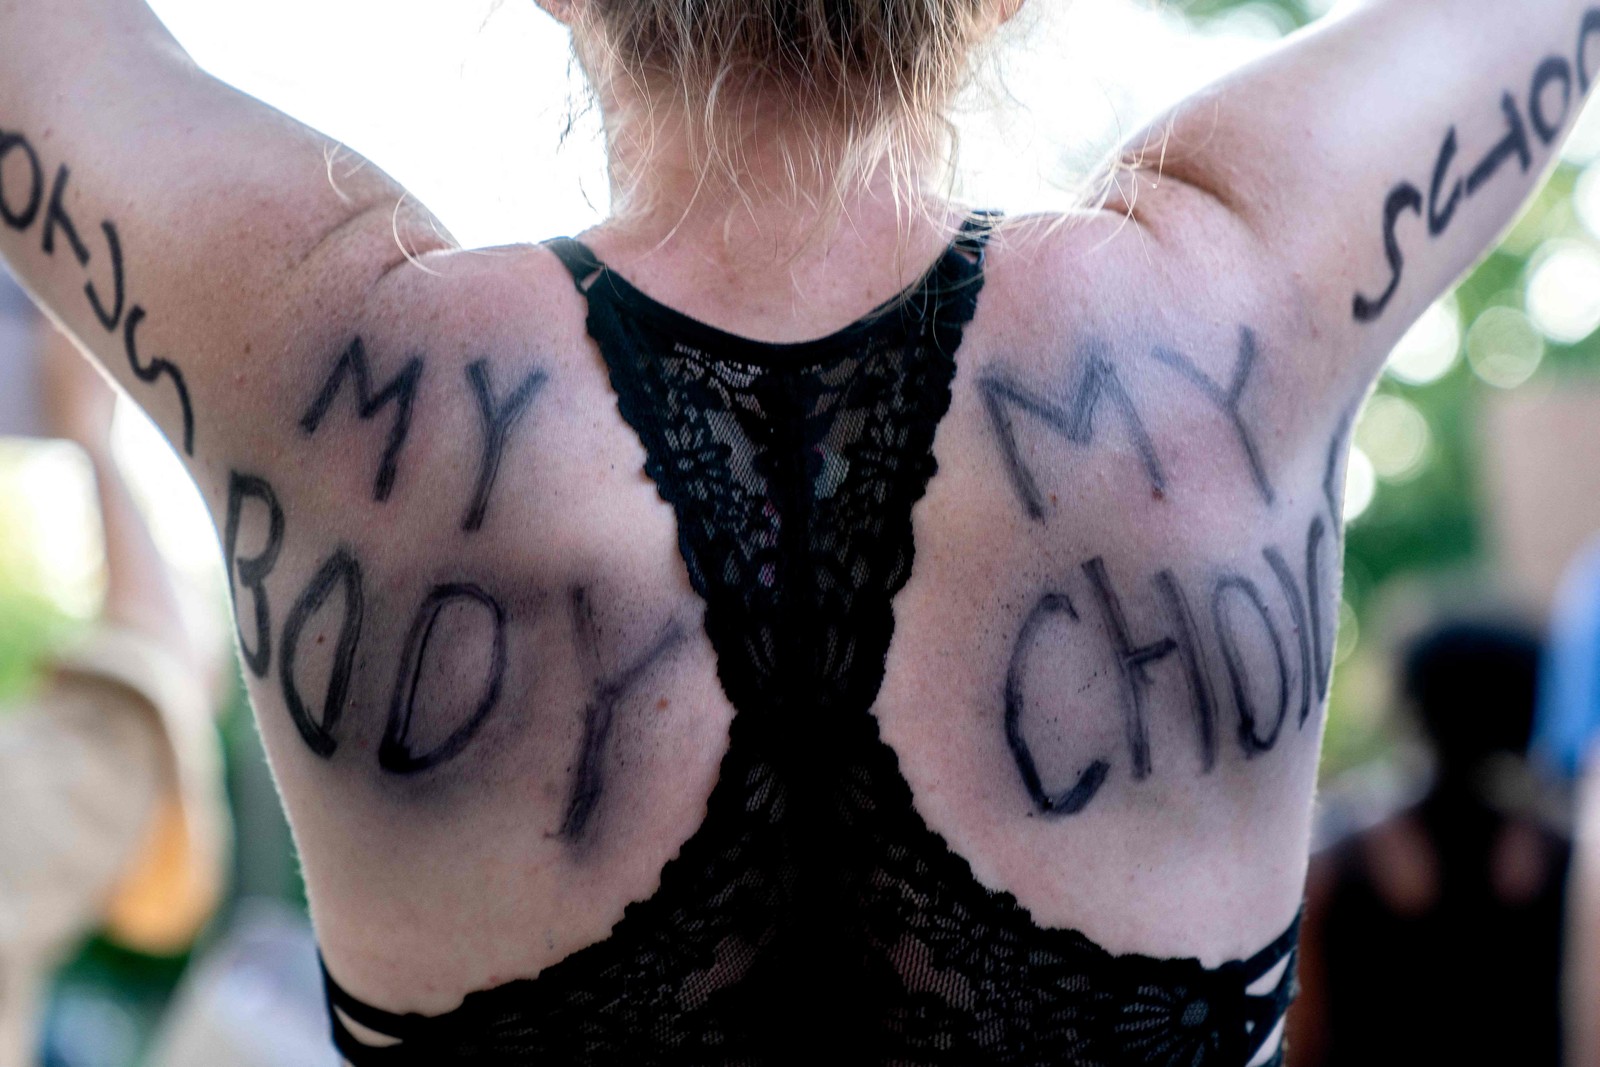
[469,632]
[1104,688]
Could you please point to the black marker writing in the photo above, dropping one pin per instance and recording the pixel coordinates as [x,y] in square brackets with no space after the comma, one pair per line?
[341,571]
[1322,654]
[497,420]
[999,395]
[252,573]
[1099,382]
[1251,644]
[1133,662]
[55,216]
[109,319]
[21,212]
[1332,488]
[1201,697]
[1440,215]
[395,753]
[1553,70]
[155,369]
[1250,738]
[401,391]
[1515,144]
[1589,29]
[1402,199]
[1302,624]
[1228,399]
[1077,797]
[606,694]
[23,218]
[1553,73]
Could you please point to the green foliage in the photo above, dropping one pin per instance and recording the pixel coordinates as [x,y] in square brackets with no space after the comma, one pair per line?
[29,626]
[1292,13]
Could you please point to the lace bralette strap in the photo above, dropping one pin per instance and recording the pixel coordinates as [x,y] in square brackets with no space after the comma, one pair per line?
[578,258]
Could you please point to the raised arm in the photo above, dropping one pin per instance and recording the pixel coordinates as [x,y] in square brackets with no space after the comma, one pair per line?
[182,231]
[1374,157]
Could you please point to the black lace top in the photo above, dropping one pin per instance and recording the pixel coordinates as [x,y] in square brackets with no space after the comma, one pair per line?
[814,918]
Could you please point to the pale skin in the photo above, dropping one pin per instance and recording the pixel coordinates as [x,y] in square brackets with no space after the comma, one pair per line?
[1204,326]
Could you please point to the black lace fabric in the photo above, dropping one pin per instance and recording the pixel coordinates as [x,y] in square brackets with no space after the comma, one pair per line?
[814,918]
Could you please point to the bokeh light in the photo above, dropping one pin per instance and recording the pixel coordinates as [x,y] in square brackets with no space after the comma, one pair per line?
[1349,635]
[1395,436]
[50,530]
[1586,199]
[1360,484]
[1583,145]
[1564,291]
[1431,347]
[1504,348]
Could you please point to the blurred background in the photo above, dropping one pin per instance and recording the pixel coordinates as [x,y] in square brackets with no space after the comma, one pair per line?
[1474,484]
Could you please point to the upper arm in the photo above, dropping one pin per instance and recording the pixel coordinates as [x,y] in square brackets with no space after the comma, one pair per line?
[189,236]
[1368,162]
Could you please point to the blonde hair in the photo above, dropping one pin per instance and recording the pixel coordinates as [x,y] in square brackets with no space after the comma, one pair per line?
[842,87]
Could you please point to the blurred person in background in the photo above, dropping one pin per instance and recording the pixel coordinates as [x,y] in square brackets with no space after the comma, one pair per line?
[1566,732]
[1436,935]
[110,805]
